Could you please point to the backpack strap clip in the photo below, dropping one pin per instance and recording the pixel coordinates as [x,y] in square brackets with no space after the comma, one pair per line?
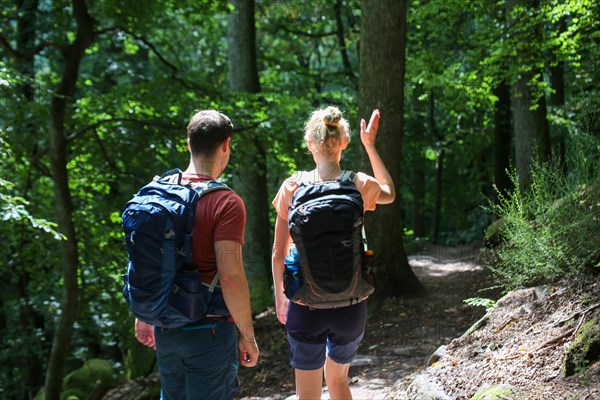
[213,284]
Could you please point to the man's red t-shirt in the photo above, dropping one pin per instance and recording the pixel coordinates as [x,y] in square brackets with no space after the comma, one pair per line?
[220,215]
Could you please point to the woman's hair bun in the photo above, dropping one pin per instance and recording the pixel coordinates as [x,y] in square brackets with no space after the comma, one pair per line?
[332,116]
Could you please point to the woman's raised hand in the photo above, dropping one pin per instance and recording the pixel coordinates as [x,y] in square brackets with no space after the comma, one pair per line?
[369,133]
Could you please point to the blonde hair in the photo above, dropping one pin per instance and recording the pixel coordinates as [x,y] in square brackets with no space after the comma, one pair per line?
[326,129]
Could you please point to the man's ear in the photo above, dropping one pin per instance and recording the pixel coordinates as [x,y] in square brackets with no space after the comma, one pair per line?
[226,144]
[189,146]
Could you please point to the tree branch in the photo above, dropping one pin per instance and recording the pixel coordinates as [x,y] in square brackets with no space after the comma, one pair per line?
[36,160]
[104,153]
[74,135]
[29,54]
[174,69]
[106,30]
[307,34]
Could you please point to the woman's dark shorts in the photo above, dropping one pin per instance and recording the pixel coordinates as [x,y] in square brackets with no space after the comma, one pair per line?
[312,332]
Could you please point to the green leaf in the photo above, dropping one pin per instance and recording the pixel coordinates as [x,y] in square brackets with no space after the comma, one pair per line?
[431,154]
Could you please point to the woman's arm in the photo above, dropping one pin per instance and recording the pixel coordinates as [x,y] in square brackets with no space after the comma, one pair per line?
[281,244]
[368,135]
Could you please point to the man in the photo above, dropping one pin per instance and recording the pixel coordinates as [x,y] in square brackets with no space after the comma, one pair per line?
[200,360]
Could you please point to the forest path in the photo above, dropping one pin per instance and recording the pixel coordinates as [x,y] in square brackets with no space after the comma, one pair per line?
[399,339]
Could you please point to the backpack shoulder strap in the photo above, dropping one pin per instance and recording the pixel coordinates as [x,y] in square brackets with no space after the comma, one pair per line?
[208,186]
[170,177]
[347,176]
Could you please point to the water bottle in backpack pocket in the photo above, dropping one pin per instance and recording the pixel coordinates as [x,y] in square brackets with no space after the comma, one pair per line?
[292,276]
[190,295]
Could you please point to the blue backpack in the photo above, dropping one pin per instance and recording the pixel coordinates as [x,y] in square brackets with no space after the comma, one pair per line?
[162,287]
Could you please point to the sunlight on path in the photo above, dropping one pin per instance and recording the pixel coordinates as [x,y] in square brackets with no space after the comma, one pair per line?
[421,325]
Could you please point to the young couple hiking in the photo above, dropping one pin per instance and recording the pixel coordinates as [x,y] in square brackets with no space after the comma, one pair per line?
[320,212]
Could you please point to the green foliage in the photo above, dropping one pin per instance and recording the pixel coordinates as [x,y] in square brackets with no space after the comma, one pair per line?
[95,376]
[139,361]
[495,392]
[488,304]
[14,209]
[552,230]
[449,103]
[91,381]
[153,62]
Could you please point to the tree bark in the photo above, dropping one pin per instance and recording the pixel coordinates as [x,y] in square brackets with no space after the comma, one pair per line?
[502,142]
[63,206]
[382,66]
[557,74]
[437,210]
[342,40]
[439,169]
[418,182]
[558,133]
[251,178]
[26,31]
[29,317]
[418,204]
[532,136]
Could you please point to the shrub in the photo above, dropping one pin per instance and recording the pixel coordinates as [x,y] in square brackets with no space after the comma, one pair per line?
[552,230]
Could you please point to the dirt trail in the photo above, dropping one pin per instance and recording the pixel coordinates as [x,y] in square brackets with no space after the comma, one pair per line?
[399,339]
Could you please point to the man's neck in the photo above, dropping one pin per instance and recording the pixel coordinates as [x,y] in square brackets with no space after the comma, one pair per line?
[201,166]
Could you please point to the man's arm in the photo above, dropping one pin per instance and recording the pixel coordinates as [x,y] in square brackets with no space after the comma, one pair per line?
[144,333]
[237,297]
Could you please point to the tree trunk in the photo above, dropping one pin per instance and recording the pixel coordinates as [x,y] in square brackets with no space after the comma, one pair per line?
[502,135]
[557,74]
[532,137]
[26,31]
[437,211]
[439,169]
[418,182]
[251,178]
[418,205]
[30,318]
[382,61]
[342,41]
[559,133]
[63,205]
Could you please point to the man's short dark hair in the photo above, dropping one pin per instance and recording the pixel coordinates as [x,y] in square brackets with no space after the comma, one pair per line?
[207,130]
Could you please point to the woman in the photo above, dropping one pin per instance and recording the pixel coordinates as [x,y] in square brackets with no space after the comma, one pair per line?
[313,331]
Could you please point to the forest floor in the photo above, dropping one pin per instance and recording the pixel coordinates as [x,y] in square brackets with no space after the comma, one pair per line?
[520,344]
